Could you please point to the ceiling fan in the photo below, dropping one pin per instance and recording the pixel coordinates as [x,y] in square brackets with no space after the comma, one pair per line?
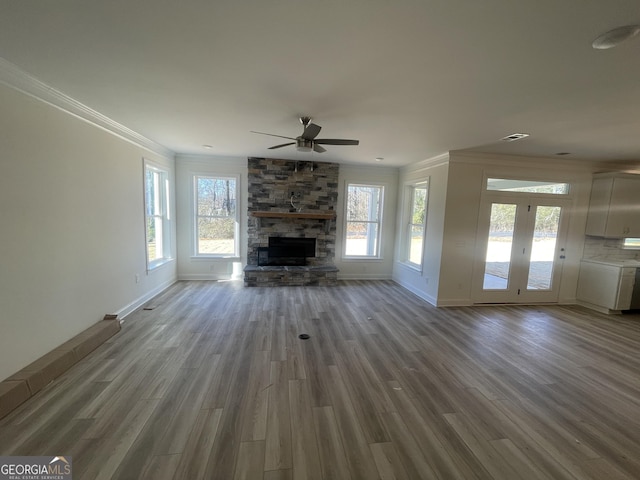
[308,141]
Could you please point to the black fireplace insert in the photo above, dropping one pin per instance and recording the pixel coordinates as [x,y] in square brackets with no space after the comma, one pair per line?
[287,251]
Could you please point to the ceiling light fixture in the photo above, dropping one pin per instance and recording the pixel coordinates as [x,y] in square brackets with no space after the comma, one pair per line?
[615,37]
[208,147]
[304,145]
[379,159]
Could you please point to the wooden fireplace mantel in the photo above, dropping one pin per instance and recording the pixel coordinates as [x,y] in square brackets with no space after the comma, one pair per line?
[293,215]
[310,215]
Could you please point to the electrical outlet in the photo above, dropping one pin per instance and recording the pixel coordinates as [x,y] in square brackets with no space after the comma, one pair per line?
[137,278]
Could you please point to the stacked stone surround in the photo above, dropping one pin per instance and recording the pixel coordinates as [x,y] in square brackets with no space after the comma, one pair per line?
[255,276]
[271,182]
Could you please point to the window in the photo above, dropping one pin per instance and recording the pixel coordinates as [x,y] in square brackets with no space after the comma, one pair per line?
[363,221]
[417,215]
[527,186]
[631,243]
[157,215]
[216,216]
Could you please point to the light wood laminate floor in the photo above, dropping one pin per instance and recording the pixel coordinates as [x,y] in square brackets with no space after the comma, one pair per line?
[214,383]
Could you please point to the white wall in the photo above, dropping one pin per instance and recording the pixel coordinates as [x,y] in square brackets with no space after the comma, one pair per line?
[190,267]
[72,228]
[425,282]
[369,268]
[459,230]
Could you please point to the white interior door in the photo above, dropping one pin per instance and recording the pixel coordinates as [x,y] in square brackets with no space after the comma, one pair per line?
[520,250]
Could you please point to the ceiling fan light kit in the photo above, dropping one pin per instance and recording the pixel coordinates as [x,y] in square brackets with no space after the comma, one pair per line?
[615,37]
[304,145]
[307,142]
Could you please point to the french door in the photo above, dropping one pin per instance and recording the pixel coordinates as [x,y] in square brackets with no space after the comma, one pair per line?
[520,252]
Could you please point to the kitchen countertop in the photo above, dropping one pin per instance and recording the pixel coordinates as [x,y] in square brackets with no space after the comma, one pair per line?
[630,262]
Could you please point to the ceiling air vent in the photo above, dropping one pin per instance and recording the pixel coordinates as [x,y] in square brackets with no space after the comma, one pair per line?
[514,136]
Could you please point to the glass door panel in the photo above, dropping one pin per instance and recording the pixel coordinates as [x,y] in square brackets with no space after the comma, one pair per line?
[499,246]
[518,254]
[543,247]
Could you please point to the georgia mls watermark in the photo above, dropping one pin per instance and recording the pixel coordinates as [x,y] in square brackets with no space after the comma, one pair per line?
[35,468]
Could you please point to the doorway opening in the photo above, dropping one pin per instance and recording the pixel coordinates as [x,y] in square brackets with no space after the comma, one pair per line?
[522,243]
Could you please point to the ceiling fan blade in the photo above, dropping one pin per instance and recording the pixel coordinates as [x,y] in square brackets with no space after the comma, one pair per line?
[318,148]
[272,135]
[337,141]
[283,145]
[311,131]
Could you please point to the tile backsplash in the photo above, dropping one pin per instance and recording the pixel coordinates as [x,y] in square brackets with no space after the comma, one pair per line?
[596,247]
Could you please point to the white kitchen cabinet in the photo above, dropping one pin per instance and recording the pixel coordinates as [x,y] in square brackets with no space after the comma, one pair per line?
[609,287]
[614,208]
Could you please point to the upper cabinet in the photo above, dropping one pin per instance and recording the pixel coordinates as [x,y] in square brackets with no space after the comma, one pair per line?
[614,208]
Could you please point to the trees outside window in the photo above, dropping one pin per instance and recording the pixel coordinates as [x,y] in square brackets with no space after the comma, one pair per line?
[363,221]
[157,215]
[216,222]
[417,216]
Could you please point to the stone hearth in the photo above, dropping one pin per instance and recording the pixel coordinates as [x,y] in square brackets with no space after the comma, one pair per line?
[277,276]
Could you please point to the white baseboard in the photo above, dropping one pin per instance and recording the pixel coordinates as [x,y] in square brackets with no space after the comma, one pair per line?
[455,302]
[360,276]
[208,276]
[138,302]
[568,301]
[598,308]
[418,293]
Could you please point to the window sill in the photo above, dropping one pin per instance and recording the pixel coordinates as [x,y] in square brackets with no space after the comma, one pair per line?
[208,258]
[362,259]
[411,266]
[159,263]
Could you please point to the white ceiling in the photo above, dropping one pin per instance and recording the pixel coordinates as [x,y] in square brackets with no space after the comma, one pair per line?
[410,79]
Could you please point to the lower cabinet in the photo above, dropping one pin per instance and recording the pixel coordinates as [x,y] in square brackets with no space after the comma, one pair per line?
[609,287]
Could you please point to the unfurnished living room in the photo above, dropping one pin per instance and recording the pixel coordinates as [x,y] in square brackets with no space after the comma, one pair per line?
[297,240]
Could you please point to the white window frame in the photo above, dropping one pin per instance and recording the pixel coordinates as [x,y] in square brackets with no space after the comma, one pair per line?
[410,190]
[377,255]
[161,213]
[524,179]
[195,216]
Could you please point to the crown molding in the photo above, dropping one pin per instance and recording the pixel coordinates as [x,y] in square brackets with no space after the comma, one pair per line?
[511,160]
[18,79]
[224,160]
[379,172]
[426,164]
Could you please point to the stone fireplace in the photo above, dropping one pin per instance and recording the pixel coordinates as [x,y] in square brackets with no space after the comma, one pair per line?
[291,203]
